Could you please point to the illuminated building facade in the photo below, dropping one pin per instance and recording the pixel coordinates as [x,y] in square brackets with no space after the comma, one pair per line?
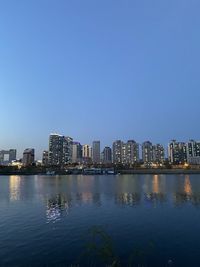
[147,152]
[158,153]
[60,149]
[28,157]
[67,149]
[193,152]
[177,152]
[132,152]
[117,151]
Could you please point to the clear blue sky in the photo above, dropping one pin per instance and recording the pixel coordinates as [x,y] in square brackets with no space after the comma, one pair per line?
[104,70]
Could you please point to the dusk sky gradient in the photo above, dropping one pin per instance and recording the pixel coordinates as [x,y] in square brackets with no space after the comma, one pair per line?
[98,70]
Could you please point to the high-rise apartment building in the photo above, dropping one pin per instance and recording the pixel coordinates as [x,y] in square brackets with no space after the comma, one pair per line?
[107,155]
[177,152]
[117,151]
[56,149]
[147,152]
[193,152]
[67,149]
[132,152]
[76,152]
[96,152]
[123,153]
[158,153]
[60,149]
[193,148]
[87,154]
[28,157]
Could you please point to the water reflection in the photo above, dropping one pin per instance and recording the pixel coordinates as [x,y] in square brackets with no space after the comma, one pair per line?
[184,192]
[66,192]
[88,197]
[14,187]
[56,207]
[187,186]
[155,189]
[130,199]
[155,197]
[60,205]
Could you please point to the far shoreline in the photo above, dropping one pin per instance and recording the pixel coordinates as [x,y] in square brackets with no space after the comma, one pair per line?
[160,171]
[117,172]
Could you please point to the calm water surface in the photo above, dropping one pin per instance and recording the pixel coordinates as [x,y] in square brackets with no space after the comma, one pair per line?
[152,220]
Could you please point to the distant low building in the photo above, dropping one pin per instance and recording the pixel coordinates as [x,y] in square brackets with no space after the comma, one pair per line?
[16,163]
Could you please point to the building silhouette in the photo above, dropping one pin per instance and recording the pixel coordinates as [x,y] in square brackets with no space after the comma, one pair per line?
[45,158]
[7,156]
[96,152]
[76,152]
[107,155]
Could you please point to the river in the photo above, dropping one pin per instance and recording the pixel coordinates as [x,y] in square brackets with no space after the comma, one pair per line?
[146,220]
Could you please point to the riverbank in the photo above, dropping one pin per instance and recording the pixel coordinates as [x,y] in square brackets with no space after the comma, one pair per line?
[130,171]
[160,171]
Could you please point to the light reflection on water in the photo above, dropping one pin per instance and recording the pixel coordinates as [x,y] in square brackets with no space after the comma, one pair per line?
[67,191]
[47,215]
[57,207]
[187,186]
[14,187]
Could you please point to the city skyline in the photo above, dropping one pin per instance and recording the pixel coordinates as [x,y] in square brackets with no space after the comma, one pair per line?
[38,151]
[131,148]
[105,71]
